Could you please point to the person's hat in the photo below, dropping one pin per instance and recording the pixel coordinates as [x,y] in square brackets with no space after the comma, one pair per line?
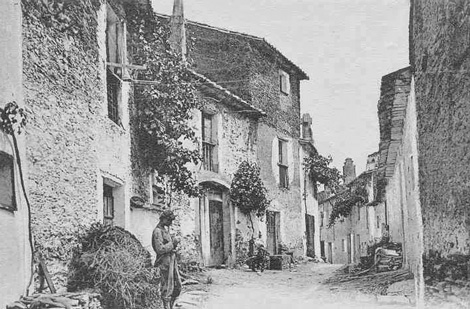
[168,214]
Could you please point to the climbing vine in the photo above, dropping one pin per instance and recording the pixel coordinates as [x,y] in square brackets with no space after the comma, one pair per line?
[164,106]
[354,194]
[247,191]
[318,169]
[12,118]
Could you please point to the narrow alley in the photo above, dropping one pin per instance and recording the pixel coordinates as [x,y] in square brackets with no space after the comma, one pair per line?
[302,287]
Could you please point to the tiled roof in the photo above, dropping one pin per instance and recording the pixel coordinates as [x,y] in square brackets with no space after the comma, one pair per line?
[236,100]
[263,41]
[394,94]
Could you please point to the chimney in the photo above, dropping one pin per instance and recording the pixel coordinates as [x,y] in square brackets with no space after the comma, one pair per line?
[307,127]
[349,171]
[177,28]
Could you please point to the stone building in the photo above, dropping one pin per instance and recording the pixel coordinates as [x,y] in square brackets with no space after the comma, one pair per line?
[440,63]
[79,144]
[397,166]
[252,112]
[347,240]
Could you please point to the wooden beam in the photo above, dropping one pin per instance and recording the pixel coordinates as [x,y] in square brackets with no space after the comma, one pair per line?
[43,266]
[128,66]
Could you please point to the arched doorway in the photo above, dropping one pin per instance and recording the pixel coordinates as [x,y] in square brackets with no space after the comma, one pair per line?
[215,224]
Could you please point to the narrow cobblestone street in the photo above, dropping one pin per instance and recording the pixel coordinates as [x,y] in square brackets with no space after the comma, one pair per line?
[300,288]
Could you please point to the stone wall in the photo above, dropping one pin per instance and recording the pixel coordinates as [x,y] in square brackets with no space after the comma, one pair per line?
[63,95]
[439,56]
[351,236]
[250,68]
[399,161]
[72,145]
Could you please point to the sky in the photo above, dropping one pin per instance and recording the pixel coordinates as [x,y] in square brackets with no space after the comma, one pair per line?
[344,46]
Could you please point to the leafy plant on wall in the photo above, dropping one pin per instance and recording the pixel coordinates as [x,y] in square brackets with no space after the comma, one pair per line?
[165,105]
[354,194]
[248,193]
[319,170]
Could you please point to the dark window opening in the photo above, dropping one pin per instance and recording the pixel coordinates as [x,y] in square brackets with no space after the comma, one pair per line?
[209,143]
[283,165]
[115,63]
[108,204]
[7,182]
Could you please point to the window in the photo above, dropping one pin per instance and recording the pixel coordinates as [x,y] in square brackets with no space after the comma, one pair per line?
[158,193]
[378,222]
[283,164]
[115,62]
[209,143]
[322,216]
[108,204]
[367,218]
[7,181]
[343,245]
[284,82]
[358,213]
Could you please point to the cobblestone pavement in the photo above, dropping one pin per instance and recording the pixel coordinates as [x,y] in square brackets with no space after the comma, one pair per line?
[300,288]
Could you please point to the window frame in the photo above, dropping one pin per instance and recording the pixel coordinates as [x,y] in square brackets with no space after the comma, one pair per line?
[115,68]
[284,82]
[13,206]
[108,196]
[209,143]
[283,163]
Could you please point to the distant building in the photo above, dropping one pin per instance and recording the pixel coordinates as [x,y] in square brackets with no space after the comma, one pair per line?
[348,239]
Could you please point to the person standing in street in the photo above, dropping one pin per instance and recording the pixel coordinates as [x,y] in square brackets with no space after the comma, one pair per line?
[165,248]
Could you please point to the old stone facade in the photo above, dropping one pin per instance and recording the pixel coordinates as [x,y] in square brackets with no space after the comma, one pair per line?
[347,240]
[398,168]
[77,152]
[440,64]
[255,71]
[80,151]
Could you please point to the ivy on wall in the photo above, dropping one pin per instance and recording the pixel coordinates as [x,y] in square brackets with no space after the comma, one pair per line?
[319,170]
[352,195]
[164,108]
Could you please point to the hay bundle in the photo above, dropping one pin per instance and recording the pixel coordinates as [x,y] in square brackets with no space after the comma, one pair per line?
[114,261]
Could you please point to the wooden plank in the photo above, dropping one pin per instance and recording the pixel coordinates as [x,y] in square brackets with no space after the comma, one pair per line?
[44,270]
[129,66]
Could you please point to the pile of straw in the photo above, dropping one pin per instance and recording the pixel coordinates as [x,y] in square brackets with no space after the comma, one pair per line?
[112,260]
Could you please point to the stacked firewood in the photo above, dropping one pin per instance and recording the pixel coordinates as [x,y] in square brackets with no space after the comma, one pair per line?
[83,300]
[387,259]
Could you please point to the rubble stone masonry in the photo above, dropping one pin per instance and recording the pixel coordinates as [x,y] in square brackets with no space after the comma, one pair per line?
[439,53]
[72,145]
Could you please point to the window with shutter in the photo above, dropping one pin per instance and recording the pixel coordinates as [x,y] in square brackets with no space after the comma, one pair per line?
[115,62]
[284,82]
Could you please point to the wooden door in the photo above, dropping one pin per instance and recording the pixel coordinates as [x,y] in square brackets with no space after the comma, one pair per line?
[322,249]
[216,222]
[350,255]
[273,228]
[330,252]
[310,231]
